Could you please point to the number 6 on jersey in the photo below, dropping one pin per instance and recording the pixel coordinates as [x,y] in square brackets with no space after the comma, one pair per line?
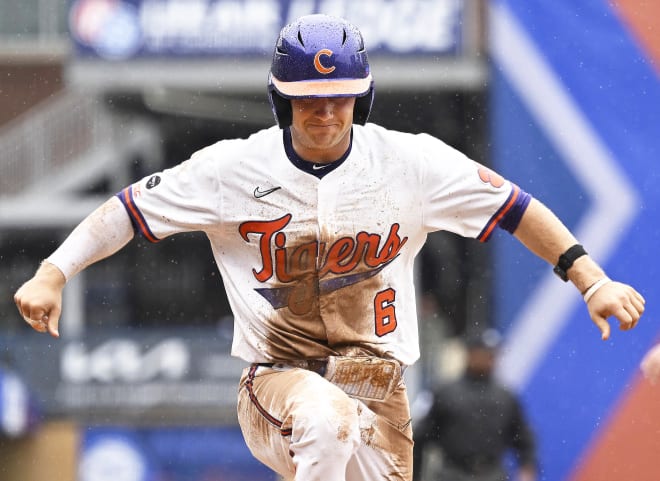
[384,313]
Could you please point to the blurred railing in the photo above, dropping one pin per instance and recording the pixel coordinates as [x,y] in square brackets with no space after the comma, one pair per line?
[48,138]
[33,27]
[51,156]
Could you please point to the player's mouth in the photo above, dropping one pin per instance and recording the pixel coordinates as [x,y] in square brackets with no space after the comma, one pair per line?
[322,126]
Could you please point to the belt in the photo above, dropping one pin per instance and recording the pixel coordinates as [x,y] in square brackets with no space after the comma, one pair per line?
[319,366]
[363,377]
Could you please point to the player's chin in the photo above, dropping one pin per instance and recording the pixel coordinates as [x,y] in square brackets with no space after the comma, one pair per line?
[323,133]
[326,138]
[322,143]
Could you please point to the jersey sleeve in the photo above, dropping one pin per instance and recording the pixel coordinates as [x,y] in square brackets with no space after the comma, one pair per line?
[465,197]
[184,198]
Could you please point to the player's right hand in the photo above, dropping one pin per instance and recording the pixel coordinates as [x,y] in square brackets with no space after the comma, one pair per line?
[39,300]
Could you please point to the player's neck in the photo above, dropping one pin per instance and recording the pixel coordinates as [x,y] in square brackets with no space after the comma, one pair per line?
[317,169]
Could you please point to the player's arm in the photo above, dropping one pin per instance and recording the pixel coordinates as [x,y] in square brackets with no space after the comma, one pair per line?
[101,234]
[547,237]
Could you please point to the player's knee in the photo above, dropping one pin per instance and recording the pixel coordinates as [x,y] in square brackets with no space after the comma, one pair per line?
[334,424]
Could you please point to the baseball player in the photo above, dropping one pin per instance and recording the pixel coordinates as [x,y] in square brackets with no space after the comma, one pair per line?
[314,224]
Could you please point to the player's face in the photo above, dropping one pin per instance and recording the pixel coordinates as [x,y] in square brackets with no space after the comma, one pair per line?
[321,128]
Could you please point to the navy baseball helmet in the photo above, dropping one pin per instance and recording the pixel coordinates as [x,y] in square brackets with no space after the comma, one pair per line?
[319,56]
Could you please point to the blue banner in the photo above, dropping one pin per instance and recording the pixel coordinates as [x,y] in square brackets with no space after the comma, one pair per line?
[575,122]
[126,29]
[168,454]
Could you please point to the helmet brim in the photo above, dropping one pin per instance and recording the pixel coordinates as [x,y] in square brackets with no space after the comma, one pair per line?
[323,88]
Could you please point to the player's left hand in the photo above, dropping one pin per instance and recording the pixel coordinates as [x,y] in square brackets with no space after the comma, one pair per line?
[618,300]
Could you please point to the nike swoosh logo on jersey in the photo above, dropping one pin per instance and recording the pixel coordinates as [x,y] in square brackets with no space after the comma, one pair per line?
[258,193]
[319,167]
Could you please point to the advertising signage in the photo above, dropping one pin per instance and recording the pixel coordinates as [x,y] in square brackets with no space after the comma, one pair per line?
[133,29]
[149,375]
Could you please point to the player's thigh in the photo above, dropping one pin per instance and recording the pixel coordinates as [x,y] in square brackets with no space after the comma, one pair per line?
[276,407]
[387,444]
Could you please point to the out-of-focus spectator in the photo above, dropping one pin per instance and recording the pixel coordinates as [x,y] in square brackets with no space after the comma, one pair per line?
[650,364]
[19,414]
[476,422]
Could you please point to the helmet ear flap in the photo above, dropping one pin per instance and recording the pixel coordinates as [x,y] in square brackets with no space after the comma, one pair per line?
[281,109]
[362,108]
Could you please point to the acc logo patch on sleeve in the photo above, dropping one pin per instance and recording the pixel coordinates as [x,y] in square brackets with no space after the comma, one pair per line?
[153,181]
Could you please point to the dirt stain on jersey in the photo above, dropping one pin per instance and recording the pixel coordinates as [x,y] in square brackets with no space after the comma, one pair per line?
[303,298]
[322,287]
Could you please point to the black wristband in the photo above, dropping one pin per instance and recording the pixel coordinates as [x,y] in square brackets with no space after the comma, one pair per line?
[567,259]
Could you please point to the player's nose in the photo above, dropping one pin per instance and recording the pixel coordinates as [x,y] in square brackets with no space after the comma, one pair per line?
[324,106]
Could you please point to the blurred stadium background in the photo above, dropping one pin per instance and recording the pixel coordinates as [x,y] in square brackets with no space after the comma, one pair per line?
[562,97]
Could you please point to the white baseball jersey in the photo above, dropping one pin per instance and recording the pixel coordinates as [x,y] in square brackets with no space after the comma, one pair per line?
[320,265]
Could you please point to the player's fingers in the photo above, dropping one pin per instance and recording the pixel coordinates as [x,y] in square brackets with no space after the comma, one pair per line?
[52,321]
[635,316]
[636,295]
[627,316]
[630,309]
[36,324]
[23,311]
[634,311]
[32,315]
[638,303]
[635,298]
[18,300]
[628,320]
[37,319]
[603,325]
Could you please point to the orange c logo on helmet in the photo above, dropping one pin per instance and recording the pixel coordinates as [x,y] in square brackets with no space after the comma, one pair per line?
[317,61]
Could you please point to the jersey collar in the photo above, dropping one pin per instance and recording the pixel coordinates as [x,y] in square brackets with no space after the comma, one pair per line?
[317,170]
